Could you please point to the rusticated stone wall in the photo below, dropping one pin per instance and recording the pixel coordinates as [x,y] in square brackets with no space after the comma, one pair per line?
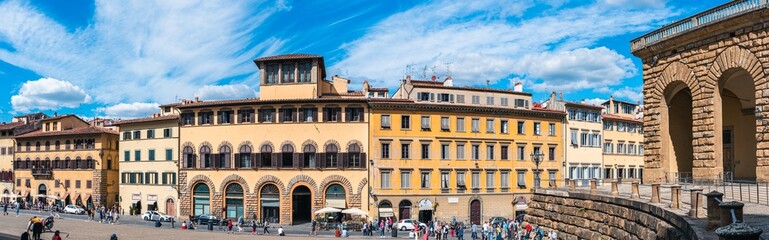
[584,216]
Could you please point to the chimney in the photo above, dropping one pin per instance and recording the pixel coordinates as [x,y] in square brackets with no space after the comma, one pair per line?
[561,96]
[518,87]
[55,114]
[448,82]
[552,96]
[197,99]
[434,78]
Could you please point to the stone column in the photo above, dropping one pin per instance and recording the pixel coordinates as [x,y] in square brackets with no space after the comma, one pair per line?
[714,215]
[726,212]
[573,184]
[696,203]
[614,188]
[634,189]
[593,186]
[675,196]
[655,193]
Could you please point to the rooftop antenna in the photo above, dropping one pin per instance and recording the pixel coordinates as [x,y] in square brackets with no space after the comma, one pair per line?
[424,72]
[488,83]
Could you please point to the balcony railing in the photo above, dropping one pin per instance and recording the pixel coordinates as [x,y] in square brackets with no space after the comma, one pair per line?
[41,172]
[713,15]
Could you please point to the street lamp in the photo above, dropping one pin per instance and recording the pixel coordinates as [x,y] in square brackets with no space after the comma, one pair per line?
[536,157]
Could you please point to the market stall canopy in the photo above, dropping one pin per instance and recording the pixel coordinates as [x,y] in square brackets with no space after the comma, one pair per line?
[355,211]
[328,210]
[386,212]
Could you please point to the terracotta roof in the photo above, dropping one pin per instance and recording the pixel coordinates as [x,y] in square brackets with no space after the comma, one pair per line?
[378,90]
[170,105]
[287,57]
[61,116]
[621,118]
[354,93]
[271,101]
[9,126]
[403,105]
[76,131]
[479,89]
[147,119]
[583,105]
[430,82]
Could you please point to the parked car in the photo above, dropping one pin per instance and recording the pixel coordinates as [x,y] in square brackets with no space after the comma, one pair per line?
[408,224]
[203,219]
[72,209]
[498,220]
[155,215]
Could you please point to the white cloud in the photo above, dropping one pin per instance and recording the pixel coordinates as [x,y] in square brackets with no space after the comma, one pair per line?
[575,70]
[481,43]
[48,94]
[221,92]
[595,101]
[636,3]
[629,93]
[135,51]
[129,110]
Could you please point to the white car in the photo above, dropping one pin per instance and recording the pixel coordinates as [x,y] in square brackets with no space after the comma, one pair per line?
[408,224]
[155,215]
[72,209]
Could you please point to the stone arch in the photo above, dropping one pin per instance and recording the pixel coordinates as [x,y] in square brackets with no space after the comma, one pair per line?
[303,179]
[208,144]
[362,185]
[309,142]
[189,144]
[245,143]
[675,71]
[735,57]
[341,180]
[287,142]
[270,179]
[351,142]
[202,179]
[222,144]
[267,143]
[332,142]
[235,178]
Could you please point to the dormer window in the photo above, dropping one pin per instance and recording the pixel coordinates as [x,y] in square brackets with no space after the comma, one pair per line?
[272,73]
[288,72]
[423,96]
[305,70]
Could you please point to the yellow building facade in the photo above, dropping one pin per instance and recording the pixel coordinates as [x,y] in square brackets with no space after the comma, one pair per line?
[623,140]
[298,148]
[66,162]
[149,164]
[441,152]
[6,159]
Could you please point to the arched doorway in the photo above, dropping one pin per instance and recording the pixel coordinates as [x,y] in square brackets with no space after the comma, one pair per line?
[475,211]
[270,203]
[386,210]
[201,199]
[233,200]
[404,209]
[335,197]
[301,200]
[676,145]
[6,198]
[425,210]
[170,207]
[736,89]
[42,193]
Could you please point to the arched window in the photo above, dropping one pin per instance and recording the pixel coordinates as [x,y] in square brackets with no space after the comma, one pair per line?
[189,157]
[18,146]
[332,159]
[37,146]
[47,146]
[335,196]
[287,155]
[78,163]
[57,163]
[68,163]
[201,199]
[270,202]
[37,163]
[57,145]
[206,159]
[234,200]
[355,156]
[28,147]
[244,156]
[224,157]
[47,163]
[67,145]
[89,164]
[309,156]
[266,154]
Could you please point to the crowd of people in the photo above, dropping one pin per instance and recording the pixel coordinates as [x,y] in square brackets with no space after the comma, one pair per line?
[490,230]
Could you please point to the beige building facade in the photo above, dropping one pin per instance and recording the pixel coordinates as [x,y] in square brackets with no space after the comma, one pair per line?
[623,146]
[705,95]
[298,148]
[149,164]
[67,161]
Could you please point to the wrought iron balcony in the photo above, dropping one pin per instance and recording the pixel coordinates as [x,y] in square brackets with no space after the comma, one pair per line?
[41,172]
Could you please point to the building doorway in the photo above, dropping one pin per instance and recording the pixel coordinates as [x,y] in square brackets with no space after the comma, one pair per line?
[201,199]
[42,193]
[738,119]
[270,203]
[404,209]
[233,201]
[301,201]
[475,211]
[425,210]
[170,207]
[676,146]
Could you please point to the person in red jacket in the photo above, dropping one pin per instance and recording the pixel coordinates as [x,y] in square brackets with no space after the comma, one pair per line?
[56,235]
[229,226]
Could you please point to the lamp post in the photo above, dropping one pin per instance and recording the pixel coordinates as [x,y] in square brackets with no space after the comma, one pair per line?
[536,157]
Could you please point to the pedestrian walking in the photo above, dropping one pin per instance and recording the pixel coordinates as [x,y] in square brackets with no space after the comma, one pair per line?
[314,225]
[5,209]
[474,232]
[253,227]
[266,227]
[18,206]
[229,226]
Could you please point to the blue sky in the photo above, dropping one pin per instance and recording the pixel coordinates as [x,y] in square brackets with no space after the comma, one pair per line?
[122,58]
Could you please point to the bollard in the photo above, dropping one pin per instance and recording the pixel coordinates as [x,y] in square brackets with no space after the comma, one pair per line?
[714,214]
[726,212]
[593,186]
[573,184]
[614,188]
[655,193]
[675,196]
[739,231]
[634,189]
[696,203]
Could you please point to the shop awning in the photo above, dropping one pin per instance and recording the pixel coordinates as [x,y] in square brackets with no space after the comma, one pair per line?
[270,203]
[336,203]
[521,207]
[386,212]
[74,196]
[66,194]
[85,196]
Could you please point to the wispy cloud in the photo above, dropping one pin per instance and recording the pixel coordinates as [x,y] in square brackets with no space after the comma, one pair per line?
[139,51]
[48,94]
[221,92]
[129,110]
[487,40]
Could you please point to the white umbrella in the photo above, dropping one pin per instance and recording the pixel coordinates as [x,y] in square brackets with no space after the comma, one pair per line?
[355,211]
[328,210]
[53,197]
